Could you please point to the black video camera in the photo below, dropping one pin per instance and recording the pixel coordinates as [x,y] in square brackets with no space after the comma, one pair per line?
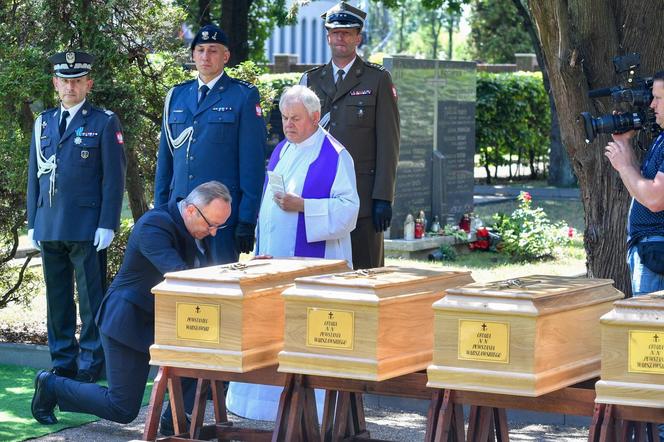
[636,91]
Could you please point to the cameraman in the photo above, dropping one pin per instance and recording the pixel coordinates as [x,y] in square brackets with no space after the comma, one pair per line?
[645,226]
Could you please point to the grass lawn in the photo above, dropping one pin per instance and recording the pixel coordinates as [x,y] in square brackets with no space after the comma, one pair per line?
[491,266]
[569,211]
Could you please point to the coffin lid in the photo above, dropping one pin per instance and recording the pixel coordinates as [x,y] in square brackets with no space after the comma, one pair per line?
[538,287]
[380,277]
[651,301]
[259,270]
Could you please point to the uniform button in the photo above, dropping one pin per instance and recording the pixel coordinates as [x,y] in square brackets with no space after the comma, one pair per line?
[193,140]
[334,124]
[55,190]
[191,177]
[335,107]
[191,158]
[195,121]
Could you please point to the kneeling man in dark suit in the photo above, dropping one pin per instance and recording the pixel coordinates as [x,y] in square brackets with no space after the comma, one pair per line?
[165,239]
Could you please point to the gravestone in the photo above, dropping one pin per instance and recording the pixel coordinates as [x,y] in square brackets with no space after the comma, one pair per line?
[436,160]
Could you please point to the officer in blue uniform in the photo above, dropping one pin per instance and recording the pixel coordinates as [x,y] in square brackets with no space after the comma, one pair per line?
[165,239]
[213,129]
[75,187]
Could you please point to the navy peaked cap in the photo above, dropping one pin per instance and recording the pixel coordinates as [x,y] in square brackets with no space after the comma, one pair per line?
[71,64]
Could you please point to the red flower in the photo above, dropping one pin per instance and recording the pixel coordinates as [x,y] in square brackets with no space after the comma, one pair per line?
[526,196]
[570,232]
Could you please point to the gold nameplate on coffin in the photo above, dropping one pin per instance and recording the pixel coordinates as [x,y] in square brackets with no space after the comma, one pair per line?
[524,336]
[371,324]
[633,353]
[228,317]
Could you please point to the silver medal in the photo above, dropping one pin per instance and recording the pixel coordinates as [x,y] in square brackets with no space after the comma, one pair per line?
[85,154]
[78,140]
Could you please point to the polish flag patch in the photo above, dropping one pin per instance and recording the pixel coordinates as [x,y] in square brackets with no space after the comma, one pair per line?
[118,136]
[394,92]
[259,111]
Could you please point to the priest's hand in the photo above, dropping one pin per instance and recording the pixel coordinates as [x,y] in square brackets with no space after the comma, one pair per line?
[382,215]
[289,202]
[244,237]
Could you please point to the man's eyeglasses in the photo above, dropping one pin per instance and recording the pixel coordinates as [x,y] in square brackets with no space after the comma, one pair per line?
[210,225]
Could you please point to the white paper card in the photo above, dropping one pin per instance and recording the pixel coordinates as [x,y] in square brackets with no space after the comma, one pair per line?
[276,182]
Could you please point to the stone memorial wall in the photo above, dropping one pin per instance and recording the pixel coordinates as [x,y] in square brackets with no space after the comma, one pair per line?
[437,108]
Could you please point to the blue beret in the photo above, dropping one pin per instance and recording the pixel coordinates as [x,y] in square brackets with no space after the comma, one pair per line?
[71,64]
[209,34]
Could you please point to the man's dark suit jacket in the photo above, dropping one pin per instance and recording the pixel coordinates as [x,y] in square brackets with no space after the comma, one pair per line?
[159,243]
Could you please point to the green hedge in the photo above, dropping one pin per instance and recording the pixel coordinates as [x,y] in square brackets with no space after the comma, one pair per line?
[513,121]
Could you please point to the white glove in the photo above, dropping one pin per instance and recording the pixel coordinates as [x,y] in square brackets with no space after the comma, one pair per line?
[103,238]
[35,244]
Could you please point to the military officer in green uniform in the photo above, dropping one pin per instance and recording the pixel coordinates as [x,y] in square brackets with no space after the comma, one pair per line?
[75,187]
[359,108]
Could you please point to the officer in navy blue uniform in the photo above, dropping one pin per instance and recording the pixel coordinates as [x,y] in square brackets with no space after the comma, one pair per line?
[75,187]
[213,129]
[165,239]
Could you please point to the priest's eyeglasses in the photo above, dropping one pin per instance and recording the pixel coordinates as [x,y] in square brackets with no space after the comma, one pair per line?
[210,225]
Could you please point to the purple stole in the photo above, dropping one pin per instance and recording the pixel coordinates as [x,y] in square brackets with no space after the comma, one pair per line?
[317,185]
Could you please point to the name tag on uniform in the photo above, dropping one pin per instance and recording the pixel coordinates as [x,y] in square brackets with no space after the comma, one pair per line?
[178,110]
[363,92]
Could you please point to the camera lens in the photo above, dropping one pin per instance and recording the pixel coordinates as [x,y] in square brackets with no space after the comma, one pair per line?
[610,124]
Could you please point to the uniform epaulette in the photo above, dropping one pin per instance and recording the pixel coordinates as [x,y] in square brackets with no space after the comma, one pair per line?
[185,82]
[246,83]
[315,68]
[380,67]
[108,112]
[45,111]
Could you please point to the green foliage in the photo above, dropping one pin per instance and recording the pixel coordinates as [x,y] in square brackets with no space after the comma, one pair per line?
[527,234]
[116,250]
[455,232]
[251,72]
[497,31]
[447,253]
[513,120]
[138,57]
[279,82]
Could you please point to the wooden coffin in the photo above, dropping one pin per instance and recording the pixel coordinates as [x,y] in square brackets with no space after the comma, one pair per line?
[369,324]
[633,353]
[526,336]
[228,317]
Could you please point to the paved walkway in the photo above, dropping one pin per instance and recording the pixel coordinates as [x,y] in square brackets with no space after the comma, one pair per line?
[384,423]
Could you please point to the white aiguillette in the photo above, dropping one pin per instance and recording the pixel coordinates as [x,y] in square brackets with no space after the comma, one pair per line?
[633,353]
[370,324]
[228,317]
[525,336]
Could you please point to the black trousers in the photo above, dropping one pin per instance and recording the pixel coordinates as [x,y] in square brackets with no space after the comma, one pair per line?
[127,371]
[367,245]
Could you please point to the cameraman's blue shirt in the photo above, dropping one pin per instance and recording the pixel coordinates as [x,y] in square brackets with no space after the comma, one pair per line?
[643,222]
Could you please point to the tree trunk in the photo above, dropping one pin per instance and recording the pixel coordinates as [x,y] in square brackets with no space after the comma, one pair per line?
[235,23]
[560,168]
[135,186]
[579,39]
[204,13]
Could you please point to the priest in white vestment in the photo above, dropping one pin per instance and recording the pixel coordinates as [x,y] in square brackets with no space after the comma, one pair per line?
[309,207]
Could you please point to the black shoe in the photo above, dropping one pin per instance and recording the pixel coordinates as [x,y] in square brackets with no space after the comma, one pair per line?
[85,376]
[43,402]
[166,426]
[63,372]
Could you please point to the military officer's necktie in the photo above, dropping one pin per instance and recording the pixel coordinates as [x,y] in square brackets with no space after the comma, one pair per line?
[340,78]
[63,123]
[203,90]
